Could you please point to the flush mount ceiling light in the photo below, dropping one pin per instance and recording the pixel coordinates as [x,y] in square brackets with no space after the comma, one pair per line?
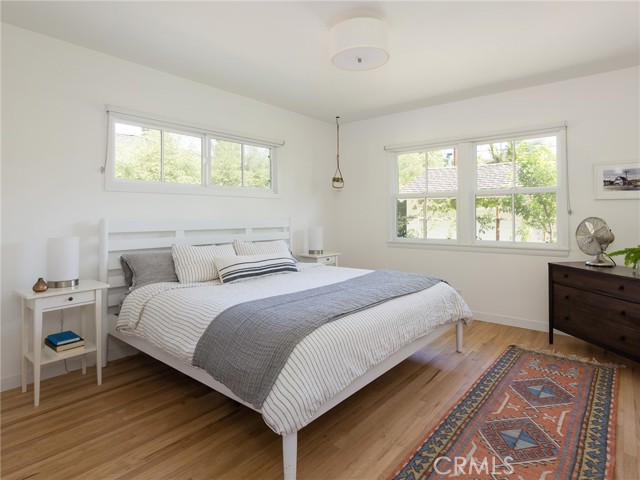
[359,44]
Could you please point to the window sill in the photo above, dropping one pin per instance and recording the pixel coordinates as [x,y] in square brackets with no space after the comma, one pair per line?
[528,249]
[173,188]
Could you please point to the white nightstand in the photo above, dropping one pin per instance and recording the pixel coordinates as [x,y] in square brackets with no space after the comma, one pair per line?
[327,258]
[86,294]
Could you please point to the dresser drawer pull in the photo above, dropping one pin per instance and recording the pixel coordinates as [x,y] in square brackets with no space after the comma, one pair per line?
[566,297]
[623,338]
[566,318]
[621,288]
[566,275]
[71,299]
[623,313]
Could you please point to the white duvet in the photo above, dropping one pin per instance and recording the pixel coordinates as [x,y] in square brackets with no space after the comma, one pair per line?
[173,316]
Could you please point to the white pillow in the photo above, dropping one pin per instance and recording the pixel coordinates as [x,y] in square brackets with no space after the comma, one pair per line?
[245,267]
[195,263]
[277,247]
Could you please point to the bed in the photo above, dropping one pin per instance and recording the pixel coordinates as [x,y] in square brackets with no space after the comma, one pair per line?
[167,319]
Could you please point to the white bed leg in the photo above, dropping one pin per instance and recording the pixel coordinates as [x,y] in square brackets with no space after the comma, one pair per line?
[459,337]
[290,455]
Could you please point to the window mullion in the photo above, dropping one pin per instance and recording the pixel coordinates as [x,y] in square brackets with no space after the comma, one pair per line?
[242,164]
[206,161]
[162,155]
[466,192]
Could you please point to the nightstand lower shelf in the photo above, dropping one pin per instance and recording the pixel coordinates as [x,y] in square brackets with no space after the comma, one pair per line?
[49,356]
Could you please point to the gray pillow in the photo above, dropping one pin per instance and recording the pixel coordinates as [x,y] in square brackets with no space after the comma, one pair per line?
[142,269]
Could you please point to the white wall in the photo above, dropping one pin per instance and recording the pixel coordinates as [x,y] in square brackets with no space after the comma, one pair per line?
[53,118]
[602,112]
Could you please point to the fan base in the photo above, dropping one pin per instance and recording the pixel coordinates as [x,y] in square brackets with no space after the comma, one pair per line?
[601,260]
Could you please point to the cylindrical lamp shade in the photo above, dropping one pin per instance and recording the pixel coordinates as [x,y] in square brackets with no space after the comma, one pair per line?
[315,240]
[359,44]
[63,262]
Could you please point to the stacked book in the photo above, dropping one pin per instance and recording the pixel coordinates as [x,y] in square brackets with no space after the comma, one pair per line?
[63,341]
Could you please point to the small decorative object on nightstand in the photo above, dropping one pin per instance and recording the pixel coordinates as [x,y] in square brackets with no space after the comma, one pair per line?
[327,258]
[40,286]
[34,305]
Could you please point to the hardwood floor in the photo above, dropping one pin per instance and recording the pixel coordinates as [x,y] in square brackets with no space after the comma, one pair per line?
[148,421]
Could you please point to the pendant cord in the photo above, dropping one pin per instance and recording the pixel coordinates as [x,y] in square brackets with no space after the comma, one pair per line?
[337,181]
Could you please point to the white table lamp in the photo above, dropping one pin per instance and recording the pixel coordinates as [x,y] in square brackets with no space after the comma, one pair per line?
[63,262]
[315,240]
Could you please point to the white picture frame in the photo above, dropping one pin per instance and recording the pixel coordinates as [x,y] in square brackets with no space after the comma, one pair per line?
[617,181]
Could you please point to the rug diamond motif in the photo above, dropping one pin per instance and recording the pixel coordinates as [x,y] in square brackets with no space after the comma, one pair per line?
[519,438]
[542,392]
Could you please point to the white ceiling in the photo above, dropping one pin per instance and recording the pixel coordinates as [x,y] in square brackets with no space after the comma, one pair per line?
[278,52]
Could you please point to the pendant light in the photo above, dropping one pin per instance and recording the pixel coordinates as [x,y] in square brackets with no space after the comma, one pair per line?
[337,181]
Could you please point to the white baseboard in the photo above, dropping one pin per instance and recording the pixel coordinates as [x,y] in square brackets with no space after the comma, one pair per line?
[540,326]
[537,325]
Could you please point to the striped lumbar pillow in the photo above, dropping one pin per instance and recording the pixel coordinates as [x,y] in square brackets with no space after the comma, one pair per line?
[244,267]
[196,263]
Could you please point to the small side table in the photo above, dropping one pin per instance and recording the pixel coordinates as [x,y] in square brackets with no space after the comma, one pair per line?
[327,258]
[34,305]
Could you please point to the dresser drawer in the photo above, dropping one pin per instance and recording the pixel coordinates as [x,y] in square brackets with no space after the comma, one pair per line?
[617,286]
[70,300]
[579,305]
[609,335]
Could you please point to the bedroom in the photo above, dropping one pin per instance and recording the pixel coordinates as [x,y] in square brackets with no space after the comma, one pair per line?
[54,94]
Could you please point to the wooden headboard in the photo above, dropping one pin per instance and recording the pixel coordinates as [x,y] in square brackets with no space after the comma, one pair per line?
[118,237]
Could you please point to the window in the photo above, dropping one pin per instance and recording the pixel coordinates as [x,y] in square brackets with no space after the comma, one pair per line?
[516,188]
[504,191]
[161,156]
[427,186]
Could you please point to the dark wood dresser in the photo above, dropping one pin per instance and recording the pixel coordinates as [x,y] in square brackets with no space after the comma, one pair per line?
[599,305]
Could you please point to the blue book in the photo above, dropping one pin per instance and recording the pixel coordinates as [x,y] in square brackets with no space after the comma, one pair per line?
[63,338]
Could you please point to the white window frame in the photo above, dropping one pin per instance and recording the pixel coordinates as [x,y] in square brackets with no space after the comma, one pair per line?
[206,134]
[467,191]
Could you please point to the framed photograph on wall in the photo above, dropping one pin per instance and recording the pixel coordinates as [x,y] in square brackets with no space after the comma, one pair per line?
[617,181]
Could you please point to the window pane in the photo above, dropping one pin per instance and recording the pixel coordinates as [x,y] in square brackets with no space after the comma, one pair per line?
[226,163]
[536,162]
[494,218]
[182,158]
[441,218]
[536,218]
[494,165]
[137,153]
[411,172]
[410,218]
[442,171]
[257,167]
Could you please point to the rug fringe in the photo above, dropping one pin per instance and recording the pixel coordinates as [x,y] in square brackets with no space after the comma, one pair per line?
[572,357]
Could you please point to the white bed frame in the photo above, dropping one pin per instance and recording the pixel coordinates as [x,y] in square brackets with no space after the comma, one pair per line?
[118,237]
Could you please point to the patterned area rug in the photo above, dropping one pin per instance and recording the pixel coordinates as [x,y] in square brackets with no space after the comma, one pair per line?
[531,416]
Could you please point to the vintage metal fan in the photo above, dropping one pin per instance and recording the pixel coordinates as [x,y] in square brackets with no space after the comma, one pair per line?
[594,236]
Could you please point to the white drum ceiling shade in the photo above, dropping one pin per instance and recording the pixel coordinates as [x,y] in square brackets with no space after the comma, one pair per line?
[359,44]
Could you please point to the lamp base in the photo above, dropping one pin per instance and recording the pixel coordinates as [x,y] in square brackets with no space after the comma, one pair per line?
[63,283]
[316,252]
